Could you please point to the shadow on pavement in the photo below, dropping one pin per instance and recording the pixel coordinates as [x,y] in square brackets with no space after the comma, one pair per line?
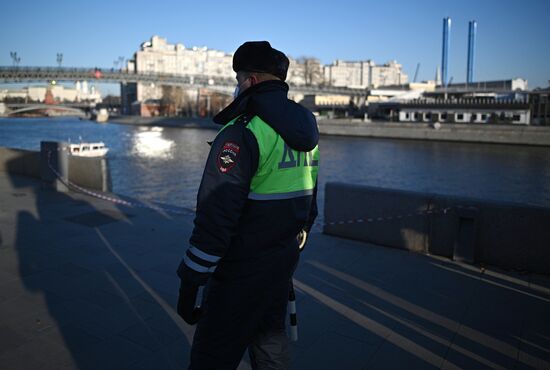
[95,285]
[401,310]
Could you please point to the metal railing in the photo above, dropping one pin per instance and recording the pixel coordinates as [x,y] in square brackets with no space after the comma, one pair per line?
[33,74]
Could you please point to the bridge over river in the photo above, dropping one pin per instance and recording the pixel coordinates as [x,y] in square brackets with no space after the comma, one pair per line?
[216,83]
[72,109]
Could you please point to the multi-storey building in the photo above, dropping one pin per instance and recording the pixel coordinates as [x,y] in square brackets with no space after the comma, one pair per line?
[158,56]
[364,74]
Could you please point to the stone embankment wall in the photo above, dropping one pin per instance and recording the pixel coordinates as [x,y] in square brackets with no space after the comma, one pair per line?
[475,133]
[507,235]
[91,173]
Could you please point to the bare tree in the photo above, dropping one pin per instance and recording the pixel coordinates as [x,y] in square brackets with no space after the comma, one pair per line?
[175,101]
[312,70]
[167,101]
[219,102]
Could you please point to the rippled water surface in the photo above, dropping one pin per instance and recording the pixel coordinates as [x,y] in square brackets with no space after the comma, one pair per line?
[165,164]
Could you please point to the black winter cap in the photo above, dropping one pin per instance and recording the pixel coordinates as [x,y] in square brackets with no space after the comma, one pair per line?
[259,56]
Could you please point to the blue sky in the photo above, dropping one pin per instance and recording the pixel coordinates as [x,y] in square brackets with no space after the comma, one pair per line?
[512,35]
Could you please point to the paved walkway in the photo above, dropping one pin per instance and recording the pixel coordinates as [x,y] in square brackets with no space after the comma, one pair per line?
[86,284]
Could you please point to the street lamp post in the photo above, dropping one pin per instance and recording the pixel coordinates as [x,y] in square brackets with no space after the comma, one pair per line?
[16,59]
[59,59]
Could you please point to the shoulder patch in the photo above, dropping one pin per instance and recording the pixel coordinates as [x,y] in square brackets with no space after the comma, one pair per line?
[228,156]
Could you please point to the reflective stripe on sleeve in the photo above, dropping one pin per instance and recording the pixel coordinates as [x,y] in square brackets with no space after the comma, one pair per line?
[195,266]
[277,196]
[204,256]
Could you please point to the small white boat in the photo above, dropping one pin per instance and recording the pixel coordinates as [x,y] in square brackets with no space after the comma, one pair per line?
[88,149]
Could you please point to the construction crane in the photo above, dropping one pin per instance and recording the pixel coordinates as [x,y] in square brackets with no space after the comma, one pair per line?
[416,72]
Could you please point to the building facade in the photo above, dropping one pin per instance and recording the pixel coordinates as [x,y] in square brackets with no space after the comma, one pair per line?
[513,112]
[540,106]
[481,111]
[158,56]
[364,74]
[82,92]
[507,86]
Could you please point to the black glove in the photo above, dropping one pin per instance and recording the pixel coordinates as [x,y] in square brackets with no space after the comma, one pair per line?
[302,238]
[189,307]
[191,295]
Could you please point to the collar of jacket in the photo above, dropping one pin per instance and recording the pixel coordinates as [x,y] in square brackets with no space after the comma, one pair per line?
[240,104]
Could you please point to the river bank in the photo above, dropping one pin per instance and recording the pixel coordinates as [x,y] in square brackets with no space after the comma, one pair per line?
[164,164]
[472,133]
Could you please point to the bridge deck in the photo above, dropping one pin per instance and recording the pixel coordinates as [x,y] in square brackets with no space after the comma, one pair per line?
[215,82]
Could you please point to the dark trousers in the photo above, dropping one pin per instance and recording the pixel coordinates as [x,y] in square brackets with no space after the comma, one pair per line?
[269,351]
[240,314]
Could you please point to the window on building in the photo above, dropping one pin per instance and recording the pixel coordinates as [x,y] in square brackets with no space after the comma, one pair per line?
[516,117]
[460,116]
[444,115]
[483,117]
[407,115]
[474,116]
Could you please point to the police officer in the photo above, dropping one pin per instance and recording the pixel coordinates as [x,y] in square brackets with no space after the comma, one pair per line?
[257,194]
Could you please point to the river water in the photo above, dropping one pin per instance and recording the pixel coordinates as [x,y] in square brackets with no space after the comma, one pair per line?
[165,164]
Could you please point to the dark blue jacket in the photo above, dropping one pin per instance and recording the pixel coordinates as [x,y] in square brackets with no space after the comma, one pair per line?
[236,237]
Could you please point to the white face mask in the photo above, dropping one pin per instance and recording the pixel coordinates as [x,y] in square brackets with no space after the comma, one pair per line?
[237,91]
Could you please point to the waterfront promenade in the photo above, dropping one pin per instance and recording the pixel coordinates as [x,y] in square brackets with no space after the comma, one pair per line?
[88,284]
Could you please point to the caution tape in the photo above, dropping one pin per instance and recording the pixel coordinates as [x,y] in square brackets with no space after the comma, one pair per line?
[111,199]
[427,212]
[364,220]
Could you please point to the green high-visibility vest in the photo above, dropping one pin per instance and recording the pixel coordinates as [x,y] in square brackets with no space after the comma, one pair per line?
[282,173]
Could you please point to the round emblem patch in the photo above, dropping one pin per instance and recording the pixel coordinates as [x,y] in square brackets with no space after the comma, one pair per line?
[227,157]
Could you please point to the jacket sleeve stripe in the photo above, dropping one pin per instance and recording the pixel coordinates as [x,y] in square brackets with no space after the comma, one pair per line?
[205,256]
[195,266]
[279,196]
[198,260]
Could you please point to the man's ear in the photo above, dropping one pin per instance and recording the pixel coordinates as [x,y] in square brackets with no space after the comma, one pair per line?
[253,80]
